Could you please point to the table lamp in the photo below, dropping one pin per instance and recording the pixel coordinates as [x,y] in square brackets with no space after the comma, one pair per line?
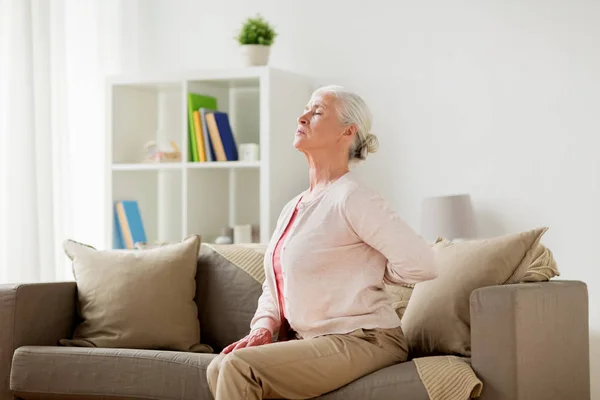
[450,217]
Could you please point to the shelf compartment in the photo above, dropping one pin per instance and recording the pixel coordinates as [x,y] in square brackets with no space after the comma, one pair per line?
[221,198]
[240,102]
[159,196]
[141,114]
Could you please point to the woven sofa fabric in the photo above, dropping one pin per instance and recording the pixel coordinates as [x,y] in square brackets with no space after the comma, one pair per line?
[226,296]
[400,381]
[41,372]
[531,341]
[35,313]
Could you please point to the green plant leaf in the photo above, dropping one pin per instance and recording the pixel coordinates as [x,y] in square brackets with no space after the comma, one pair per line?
[256,30]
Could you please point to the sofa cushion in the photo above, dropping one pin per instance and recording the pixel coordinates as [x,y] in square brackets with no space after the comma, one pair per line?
[399,295]
[542,268]
[141,299]
[40,372]
[399,381]
[228,288]
[437,317]
[228,284]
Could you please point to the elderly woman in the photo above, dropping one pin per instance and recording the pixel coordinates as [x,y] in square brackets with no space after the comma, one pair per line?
[334,247]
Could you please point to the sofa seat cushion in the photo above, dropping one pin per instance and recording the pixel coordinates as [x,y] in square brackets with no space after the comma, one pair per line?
[40,372]
[400,381]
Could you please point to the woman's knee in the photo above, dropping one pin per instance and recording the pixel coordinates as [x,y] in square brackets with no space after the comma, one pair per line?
[212,372]
[233,366]
[224,362]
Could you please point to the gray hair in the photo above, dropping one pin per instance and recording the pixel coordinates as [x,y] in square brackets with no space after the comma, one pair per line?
[352,109]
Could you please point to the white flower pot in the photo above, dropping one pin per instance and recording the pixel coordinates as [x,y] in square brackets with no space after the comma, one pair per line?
[256,54]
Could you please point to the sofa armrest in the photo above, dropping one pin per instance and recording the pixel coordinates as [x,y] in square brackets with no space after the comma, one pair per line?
[531,340]
[33,314]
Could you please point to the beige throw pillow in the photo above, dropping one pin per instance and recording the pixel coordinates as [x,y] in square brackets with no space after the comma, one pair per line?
[399,295]
[437,318]
[140,299]
[543,266]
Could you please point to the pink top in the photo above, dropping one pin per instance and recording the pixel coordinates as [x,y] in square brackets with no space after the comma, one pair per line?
[337,259]
[277,265]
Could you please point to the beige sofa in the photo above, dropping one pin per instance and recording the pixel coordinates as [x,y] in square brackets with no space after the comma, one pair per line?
[529,341]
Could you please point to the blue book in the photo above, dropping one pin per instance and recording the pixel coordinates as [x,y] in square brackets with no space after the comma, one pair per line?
[226,135]
[208,147]
[134,220]
[118,242]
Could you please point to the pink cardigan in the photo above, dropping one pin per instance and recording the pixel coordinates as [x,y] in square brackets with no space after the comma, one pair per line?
[341,248]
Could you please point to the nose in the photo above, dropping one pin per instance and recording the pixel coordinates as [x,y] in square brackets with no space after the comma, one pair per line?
[303,119]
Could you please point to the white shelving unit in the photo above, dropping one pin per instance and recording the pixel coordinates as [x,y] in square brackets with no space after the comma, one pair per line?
[178,199]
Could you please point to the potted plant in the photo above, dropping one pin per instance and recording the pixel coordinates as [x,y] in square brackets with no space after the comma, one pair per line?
[256,38]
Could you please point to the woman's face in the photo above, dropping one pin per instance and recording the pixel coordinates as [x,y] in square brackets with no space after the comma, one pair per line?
[319,127]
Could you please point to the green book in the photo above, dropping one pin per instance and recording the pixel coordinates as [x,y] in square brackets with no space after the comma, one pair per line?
[196,101]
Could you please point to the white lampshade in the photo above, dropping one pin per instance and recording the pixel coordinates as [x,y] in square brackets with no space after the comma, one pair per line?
[450,217]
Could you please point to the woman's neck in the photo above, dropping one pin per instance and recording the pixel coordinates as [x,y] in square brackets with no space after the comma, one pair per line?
[325,169]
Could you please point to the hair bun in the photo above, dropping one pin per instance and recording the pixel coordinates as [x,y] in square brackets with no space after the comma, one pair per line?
[371,143]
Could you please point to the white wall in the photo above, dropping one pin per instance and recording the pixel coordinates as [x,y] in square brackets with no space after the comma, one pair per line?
[496,98]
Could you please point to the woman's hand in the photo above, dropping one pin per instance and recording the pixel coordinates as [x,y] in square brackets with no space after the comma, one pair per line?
[257,337]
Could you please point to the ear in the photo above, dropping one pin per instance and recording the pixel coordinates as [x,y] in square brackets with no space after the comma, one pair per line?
[350,130]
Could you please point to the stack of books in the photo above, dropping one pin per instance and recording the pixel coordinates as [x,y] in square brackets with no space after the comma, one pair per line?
[210,135]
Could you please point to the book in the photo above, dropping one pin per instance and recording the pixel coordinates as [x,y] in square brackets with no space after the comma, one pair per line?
[215,137]
[130,225]
[210,151]
[226,134]
[196,101]
[199,137]
[123,226]
[118,242]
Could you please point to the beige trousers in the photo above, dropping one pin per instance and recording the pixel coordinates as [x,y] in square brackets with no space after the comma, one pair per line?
[302,369]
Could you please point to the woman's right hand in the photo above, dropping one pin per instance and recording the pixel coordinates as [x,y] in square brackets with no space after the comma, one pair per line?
[257,337]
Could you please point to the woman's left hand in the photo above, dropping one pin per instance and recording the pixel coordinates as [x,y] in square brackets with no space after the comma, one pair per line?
[257,337]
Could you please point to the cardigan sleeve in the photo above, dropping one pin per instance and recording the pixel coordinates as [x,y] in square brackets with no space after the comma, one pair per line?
[409,258]
[266,312]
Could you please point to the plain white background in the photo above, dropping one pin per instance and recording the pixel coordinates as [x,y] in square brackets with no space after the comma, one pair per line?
[497,98]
